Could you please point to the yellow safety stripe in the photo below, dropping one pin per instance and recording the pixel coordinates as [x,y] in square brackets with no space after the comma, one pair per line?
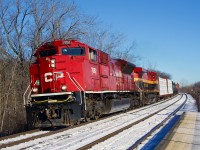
[146,81]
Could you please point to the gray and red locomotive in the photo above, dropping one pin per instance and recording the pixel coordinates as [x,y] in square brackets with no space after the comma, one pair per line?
[73,82]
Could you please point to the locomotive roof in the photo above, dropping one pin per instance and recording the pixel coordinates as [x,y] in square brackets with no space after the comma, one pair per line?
[126,66]
[67,42]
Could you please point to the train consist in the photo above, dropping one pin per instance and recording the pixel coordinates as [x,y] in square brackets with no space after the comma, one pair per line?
[73,82]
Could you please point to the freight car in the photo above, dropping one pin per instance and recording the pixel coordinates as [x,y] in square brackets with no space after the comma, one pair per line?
[72,82]
[165,87]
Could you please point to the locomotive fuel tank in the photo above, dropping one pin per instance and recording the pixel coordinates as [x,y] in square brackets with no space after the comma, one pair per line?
[115,105]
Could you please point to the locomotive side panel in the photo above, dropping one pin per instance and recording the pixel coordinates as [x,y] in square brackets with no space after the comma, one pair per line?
[91,73]
[104,70]
[112,76]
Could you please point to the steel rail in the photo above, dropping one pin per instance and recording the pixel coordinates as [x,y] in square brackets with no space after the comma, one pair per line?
[88,146]
[156,127]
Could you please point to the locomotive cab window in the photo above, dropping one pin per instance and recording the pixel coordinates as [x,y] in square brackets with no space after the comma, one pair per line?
[92,55]
[49,52]
[73,51]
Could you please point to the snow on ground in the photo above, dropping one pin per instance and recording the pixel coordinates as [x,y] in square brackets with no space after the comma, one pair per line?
[190,106]
[79,136]
[21,137]
[127,138]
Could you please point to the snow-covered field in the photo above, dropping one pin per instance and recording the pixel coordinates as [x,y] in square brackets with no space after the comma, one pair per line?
[80,136]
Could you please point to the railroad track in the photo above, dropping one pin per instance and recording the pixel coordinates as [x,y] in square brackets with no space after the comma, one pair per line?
[75,137]
[143,138]
[15,139]
[138,127]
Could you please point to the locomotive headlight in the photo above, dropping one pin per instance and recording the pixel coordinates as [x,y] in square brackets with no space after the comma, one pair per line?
[64,87]
[53,63]
[35,90]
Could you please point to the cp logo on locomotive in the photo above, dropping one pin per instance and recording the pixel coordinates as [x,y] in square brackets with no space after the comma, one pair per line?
[48,77]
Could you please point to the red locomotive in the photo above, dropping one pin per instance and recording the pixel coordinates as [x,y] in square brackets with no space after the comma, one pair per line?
[71,82]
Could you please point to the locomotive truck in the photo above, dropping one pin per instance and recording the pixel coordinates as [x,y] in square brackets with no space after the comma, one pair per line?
[72,82]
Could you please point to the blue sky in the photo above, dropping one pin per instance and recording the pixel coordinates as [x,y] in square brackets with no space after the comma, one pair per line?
[167,32]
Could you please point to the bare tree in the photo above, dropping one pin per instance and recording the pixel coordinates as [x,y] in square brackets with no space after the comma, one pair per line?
[105,40]
[111,42]
[184,83]
[128,53]
[56,20]
[14,18]
[151,66]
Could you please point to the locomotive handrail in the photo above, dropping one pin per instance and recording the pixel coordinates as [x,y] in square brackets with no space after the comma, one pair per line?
[80,93]
[59,101]
[29,95]
[25,94]
[76,86]
[24,98]
[72,81]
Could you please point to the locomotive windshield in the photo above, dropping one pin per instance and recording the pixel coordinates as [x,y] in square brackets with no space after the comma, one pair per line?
[48,52]
[73,51]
